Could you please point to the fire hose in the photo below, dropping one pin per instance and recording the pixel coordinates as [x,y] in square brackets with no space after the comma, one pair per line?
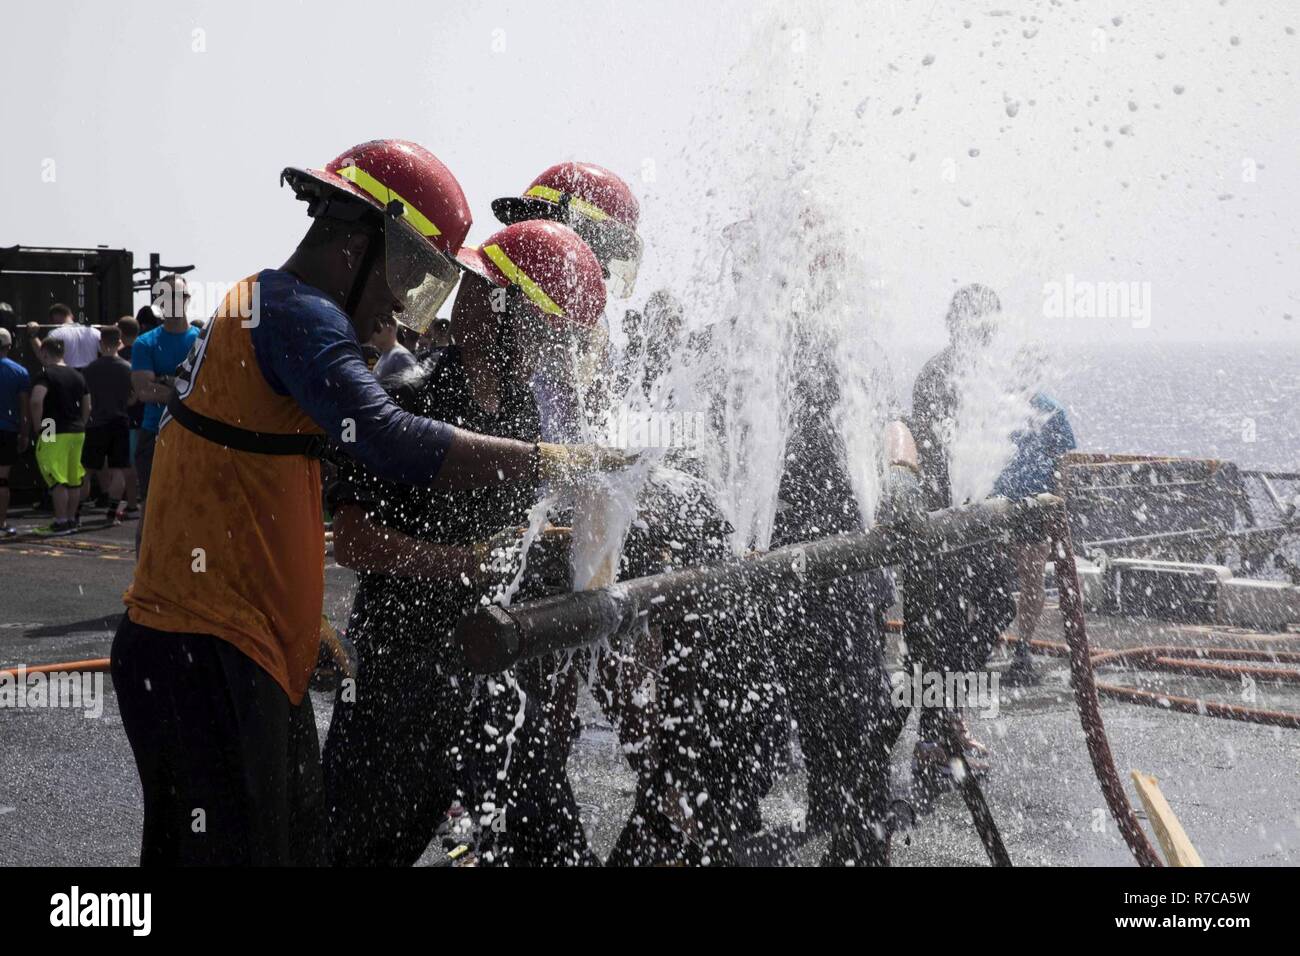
[1085,691]
[496,638]
[1174,660]
[99,664]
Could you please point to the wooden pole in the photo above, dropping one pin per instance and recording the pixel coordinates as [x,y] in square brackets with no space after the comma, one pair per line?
[1169,832]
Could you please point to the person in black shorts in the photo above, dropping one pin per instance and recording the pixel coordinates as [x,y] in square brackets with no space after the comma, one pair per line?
[107,450]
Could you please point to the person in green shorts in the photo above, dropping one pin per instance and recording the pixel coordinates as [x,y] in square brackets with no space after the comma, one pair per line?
[60,409]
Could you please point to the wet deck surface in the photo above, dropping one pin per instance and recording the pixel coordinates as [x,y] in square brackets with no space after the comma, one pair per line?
[69,794]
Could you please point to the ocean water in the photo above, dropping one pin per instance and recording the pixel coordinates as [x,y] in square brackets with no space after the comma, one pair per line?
[1233,401]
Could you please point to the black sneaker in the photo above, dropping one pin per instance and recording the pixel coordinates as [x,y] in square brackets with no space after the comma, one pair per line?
[936,770]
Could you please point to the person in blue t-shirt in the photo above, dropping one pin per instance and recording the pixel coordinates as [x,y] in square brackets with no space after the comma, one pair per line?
[1035,468]
[15,384]
[154,359]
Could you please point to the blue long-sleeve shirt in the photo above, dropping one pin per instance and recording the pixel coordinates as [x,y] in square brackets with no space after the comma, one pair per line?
[307,348]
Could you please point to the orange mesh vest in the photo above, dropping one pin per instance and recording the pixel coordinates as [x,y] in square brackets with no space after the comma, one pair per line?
[233,542]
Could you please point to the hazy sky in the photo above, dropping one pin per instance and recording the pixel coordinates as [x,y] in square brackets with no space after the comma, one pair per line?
[164,125]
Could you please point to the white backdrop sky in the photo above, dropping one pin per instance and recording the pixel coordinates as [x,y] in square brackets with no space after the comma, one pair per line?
[160,147]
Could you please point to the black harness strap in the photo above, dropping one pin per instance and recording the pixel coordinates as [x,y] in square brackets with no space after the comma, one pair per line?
[243,439]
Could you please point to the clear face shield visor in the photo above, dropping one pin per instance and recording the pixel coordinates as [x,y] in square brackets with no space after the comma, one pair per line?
[618,248]
[567,362]
[419,275]
[624,267]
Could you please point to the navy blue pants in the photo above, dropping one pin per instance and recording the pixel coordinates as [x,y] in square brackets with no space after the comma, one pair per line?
[229,766]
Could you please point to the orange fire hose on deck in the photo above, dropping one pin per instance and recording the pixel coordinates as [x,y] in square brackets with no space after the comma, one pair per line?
[1173,659]
[1203,708]
[98,664]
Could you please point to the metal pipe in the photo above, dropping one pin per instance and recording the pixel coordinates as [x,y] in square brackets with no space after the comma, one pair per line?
[1205,537]
[41,326]
[495,638]
[38,272]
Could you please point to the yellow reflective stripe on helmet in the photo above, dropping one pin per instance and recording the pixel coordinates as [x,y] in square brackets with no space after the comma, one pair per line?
[357,175]
[581,205]
[518,277]
[545,192]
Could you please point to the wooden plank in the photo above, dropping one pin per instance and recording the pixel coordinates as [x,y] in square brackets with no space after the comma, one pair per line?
[1173,838]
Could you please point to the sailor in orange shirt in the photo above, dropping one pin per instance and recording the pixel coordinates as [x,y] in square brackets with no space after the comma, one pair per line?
[211,661]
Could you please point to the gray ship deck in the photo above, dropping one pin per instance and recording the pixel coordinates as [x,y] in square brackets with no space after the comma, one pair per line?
[68,791]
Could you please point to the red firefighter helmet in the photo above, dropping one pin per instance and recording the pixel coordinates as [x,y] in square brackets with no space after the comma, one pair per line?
[550,266]
[595,203]
[425,214]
